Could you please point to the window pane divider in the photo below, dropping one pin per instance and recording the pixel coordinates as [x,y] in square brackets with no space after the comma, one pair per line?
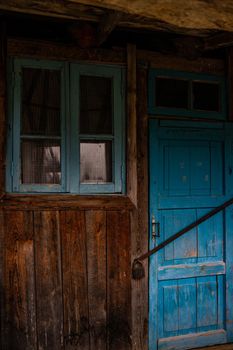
[40,137]
[96,137]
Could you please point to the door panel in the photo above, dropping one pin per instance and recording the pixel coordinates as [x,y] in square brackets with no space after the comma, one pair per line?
[189,176]
[190,168]
[203,243]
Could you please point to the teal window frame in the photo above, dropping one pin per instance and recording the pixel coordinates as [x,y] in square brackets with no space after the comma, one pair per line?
[70,136]
[114,73]
[190,77]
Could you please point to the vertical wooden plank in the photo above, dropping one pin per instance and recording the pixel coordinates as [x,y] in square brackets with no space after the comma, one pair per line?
[119,276]
[19,286]
[230,82]
[170,320]
[3,135]
[210,235]
[185,246]
[2,268]
[187,294]
[132,124]
[97,284]
[139,220]
[74,272]
[3,55]
[48,280]
[207,305]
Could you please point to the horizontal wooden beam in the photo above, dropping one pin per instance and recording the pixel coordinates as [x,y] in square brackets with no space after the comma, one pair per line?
[52,8]
[68,201]
[199,14]
[218,41]
[197,17]
[48,50]
[197,65]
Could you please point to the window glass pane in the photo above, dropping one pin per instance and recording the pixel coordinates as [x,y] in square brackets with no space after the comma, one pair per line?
[95,162]
[40,102]
[40,162]
[206,96]
[95,105]
[171,92]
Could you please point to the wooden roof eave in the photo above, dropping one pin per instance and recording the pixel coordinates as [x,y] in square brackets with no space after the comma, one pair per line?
[189,17]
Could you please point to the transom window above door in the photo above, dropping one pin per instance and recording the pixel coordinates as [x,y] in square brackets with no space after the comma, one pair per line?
[66,128]
[186,94]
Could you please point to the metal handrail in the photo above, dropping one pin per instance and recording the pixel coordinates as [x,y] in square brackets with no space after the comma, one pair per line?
[137,265]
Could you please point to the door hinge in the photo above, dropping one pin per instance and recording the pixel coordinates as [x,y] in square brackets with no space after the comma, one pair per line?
[155,228]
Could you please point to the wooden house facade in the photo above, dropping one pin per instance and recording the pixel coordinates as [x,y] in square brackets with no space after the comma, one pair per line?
[115,134]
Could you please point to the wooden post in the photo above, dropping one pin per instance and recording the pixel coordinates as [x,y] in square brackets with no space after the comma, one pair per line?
[2,169]
[230,82]
[2,105]
[131,124]
[139,220]
[137,190]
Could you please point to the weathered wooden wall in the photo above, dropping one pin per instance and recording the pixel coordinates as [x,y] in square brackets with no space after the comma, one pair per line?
[66,265]
[66,262]
[66,278]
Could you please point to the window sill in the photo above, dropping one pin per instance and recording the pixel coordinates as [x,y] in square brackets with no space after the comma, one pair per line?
[65,201]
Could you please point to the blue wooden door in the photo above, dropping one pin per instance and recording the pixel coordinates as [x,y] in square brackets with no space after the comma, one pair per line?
[191,280]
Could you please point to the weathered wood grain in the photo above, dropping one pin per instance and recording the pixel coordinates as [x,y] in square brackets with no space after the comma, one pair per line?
[75,284]
[119,286]
[64,201]
[139,219]
[198,65]
[3,55]
[193,17]
[177,15]
[70,295]
[19,284]
[49,50]
[2,279]
[55,8]
[97,278]
[48,280]
[191,270]
[131,124]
